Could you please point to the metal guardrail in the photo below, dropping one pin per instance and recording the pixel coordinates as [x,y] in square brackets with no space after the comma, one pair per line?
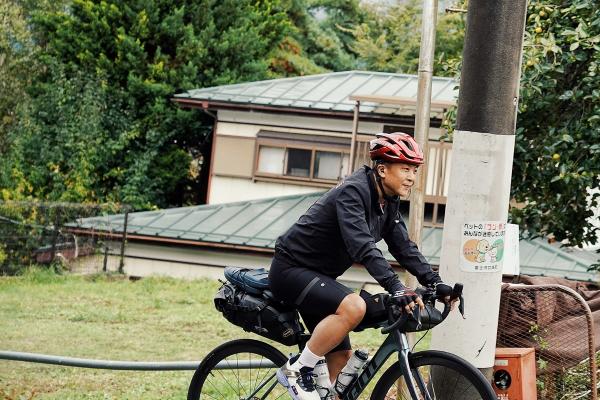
[558,323]
[127,365]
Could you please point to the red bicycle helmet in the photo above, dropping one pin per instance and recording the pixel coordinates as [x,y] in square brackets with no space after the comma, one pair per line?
[395,147]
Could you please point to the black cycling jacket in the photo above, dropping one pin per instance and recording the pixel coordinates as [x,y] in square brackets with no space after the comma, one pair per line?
[343,226]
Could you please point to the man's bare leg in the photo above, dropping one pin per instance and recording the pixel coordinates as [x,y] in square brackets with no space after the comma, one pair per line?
[336,361]
[331,331]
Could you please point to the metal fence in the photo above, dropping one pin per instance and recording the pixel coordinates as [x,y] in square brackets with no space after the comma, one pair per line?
[557,322]
[59,234]
[128,365]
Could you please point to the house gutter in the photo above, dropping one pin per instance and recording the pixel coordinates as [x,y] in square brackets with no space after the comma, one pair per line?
[383,118]
[158,239]
[213,140]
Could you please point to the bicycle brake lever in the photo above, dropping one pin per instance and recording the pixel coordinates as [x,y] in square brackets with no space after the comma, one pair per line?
[417,318]
[457,293]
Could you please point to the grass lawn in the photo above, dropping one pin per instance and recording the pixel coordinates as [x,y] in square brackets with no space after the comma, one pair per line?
[112,318]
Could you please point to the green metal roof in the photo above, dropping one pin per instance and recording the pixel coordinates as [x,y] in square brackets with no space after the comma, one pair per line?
[541,258]
[257,224]
[328,92]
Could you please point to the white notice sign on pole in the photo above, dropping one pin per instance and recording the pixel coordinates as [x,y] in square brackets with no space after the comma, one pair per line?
[482,248]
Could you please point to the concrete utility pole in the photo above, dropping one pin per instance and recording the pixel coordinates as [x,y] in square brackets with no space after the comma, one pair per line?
[479,187]
[422,122]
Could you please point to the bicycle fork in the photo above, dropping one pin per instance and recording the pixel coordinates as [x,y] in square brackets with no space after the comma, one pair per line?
[412,378]
[396,342]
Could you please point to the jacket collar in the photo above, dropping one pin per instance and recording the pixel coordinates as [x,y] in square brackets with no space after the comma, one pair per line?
[371,179]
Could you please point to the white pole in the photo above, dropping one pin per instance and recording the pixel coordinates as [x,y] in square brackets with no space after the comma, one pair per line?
[479,178]
[353,139]
[479,186]
[422,122]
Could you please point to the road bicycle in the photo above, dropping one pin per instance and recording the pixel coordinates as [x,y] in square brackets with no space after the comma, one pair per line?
[246,368]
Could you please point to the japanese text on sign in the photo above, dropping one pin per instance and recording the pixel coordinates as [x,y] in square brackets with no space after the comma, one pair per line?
[482,247]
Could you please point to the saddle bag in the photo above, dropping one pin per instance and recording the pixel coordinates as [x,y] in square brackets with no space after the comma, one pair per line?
[245,301]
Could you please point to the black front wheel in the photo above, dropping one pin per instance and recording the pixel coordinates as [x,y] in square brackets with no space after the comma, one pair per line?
[240,369]
[440,376]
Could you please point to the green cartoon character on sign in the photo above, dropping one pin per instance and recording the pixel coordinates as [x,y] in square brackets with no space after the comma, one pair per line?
[497,251]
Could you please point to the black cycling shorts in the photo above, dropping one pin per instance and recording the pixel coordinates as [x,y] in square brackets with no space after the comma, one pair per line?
[314,294]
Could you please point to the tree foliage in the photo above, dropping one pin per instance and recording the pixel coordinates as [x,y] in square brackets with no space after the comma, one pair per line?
[101,125]
[18,56]
[557,154]
[17,59]
[89,116]
[556,163]
[329,35]
[320,39]
[389,40]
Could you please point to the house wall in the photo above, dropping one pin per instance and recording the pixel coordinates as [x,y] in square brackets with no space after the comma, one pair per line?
[234,158]
[144,260]
[226,189]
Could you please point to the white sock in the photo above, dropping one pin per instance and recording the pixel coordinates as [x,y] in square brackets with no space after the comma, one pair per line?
[308,358]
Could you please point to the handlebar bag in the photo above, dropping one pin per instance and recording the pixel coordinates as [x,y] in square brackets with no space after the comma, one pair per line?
[376,313]
[430,317]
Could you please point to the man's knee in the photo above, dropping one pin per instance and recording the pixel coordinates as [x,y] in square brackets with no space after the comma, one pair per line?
[353,308]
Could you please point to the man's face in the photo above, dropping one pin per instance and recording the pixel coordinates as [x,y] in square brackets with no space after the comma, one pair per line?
[398,178]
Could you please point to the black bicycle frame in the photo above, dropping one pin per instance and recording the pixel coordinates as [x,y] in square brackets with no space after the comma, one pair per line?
[395,342]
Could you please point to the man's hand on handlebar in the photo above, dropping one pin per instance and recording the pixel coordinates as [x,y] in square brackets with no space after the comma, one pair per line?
[453,302]
[451,295]
[446,290]
[407,299]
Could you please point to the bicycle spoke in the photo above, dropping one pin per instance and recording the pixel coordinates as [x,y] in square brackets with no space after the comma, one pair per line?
[236,375]
[433,382]
[237,365]
[234,372]
[216,388]
[252,385]
[270,388]
[258,387]
[262,380]
[455,384]
[244,382]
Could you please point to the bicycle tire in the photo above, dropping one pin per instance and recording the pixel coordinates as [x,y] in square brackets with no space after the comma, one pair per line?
[209,382]
[464,381]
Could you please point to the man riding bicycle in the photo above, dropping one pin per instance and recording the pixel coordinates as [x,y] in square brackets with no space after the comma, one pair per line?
[340,229]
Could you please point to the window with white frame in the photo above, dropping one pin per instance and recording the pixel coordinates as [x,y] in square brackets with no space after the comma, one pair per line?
[306,161]
[270,160]
[330,165]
